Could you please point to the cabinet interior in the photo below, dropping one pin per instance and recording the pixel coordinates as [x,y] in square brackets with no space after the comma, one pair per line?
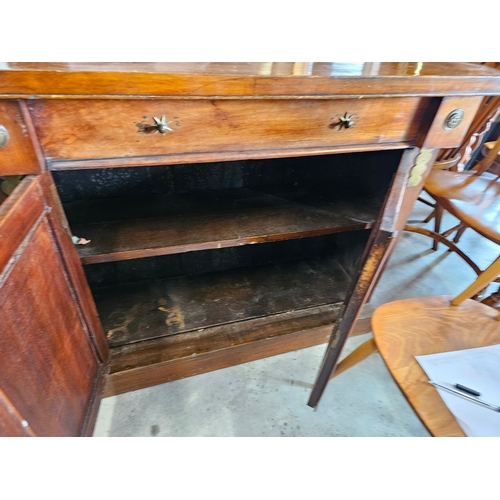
[221,254]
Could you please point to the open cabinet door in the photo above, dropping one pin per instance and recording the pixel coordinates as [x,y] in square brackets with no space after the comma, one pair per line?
[53,355]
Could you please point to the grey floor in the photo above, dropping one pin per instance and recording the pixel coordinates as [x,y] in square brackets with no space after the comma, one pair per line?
[268,397]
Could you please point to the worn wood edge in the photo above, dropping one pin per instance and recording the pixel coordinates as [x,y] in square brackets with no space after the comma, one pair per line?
[125,381]
[25,206]
[97,395]
[373,261]
[364,322]
[172,97]
[41,83]
[16,195]
[73,269]
[11,421]
[208,157]
[98,258]
[160,373]
[35,142]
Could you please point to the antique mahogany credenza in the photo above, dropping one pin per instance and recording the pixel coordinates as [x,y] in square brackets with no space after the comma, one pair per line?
[234,211]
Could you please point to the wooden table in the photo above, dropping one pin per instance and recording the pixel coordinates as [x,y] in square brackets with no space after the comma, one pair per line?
[235,211]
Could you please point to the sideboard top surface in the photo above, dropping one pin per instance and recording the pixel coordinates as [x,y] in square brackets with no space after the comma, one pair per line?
[245,80]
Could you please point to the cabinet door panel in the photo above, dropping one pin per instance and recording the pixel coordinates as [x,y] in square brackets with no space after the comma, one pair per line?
[51,373]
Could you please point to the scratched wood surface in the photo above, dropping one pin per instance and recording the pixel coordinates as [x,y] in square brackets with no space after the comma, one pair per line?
[18,156]
[152,309]
[49,364]
[215,220]
[254,80]
[82,129]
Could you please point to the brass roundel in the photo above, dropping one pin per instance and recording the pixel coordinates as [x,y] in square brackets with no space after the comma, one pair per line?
[454,119]
[4,137]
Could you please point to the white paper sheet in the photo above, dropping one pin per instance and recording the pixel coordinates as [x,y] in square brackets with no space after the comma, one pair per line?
[478,369]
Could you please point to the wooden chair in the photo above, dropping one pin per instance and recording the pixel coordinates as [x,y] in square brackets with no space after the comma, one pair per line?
[407,328]
[456,159]
[426,325]
[473,197]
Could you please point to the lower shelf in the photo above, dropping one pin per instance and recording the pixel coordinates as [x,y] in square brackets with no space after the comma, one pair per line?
[153,309]
[164,329]
[163,360]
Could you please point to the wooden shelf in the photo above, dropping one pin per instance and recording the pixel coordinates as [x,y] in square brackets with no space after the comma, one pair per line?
[129,228]
[135,312]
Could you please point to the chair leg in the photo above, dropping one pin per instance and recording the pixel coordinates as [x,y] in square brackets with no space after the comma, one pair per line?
[482,281]
[438,215]
[359,354]
[461,230]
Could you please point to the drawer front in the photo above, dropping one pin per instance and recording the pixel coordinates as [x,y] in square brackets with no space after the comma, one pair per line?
[17,154]
[104,129]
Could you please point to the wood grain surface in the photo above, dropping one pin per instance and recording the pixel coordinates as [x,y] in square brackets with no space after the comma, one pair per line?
[426,325]
[48,366]
[133,312]
[247,79]
[79,129]
[19,156]
[172,224]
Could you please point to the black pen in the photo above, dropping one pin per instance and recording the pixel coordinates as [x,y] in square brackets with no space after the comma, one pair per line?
[468,397]
[462,388]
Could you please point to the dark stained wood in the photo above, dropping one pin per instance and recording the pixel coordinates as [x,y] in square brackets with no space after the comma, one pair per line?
[144,310]
[11,422]
[35,143]
[437,136]
[51,373]
[167,224]
[48,378]
[75,130]
[86,116]
[171,358]
[19,156]
[246,79]
[145,376]
[190,158]
[216,338]
[23,207]
[73,266]
[371,264]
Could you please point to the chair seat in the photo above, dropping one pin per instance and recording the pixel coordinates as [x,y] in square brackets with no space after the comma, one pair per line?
[426,325]
[473,199]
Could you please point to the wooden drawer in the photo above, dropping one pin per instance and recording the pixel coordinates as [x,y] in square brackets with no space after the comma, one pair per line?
[17,156]
[111,133]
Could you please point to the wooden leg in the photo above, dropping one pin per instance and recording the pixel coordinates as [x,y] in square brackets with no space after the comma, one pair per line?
[482,281]
[438,214]
[461,230]
[359,354]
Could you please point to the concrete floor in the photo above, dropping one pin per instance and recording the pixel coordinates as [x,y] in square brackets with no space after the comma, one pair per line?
[268,397]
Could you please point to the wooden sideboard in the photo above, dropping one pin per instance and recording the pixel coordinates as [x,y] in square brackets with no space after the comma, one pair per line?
[234,211]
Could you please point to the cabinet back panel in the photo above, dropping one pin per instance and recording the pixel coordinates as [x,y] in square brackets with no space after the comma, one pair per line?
[364,173]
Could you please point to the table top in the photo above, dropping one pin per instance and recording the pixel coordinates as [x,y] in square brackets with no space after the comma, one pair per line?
[247,79]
